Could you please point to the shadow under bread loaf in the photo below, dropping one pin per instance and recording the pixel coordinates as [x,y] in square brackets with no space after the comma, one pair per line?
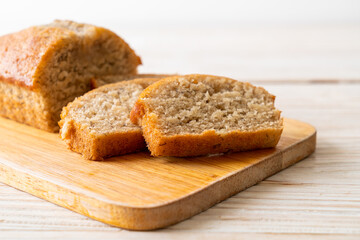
[97,124]
[42,68]
[196,115]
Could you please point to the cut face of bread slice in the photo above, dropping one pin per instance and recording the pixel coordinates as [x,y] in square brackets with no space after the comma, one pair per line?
[200,114]
[97,125]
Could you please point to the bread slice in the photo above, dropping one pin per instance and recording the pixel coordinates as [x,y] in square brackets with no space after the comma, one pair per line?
[201,114]
[42,68]
[97,125]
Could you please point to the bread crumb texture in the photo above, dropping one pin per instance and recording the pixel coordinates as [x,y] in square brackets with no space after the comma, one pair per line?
[188,108]
[106,110]
[98,125]
[193,104]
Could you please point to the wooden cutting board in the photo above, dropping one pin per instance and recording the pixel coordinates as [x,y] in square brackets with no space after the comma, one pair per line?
[138,191]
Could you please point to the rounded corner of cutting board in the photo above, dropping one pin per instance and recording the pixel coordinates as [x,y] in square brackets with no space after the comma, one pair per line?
[142,218]
[302,130]
[135,218]
[290,122]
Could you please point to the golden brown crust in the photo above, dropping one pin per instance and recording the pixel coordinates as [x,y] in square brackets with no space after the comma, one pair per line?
[23,52]
[92,147]
[137,113]
[208,142]
[99,146]
[26,58]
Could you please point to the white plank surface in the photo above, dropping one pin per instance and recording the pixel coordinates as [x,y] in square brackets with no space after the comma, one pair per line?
[314,198]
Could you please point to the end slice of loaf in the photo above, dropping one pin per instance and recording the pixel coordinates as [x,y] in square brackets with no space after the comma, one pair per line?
[201,114]
[97,124]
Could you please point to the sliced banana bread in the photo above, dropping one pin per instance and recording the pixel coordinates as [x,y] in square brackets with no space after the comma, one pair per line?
[42,68]
[201,114]
[97,124]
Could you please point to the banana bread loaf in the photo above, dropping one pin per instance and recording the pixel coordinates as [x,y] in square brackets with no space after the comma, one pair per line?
[42,68]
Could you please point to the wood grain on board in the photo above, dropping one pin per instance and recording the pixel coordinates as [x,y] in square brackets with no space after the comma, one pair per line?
[137,191]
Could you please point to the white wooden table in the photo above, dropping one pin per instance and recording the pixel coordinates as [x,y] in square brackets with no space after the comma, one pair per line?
[315,73]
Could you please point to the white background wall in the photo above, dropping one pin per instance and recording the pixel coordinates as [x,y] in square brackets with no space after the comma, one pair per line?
[15,14]
[245,39]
